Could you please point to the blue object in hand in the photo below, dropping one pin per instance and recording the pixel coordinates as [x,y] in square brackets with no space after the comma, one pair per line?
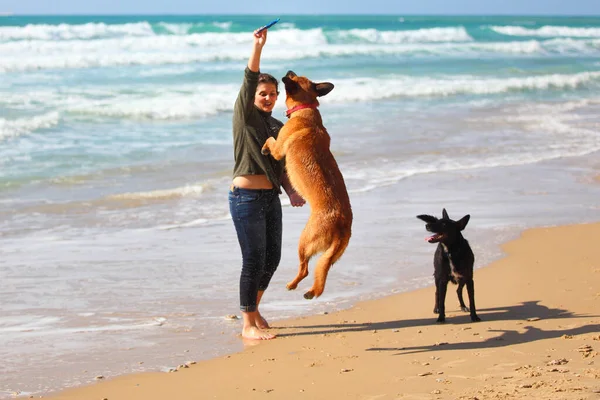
[267,26]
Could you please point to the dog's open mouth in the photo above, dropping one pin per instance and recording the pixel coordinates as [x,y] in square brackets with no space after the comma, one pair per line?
[435,238]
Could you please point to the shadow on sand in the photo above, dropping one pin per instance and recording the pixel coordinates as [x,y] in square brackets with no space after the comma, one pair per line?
[521,312]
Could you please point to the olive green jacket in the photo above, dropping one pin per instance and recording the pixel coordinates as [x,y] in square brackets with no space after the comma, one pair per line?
[251,128]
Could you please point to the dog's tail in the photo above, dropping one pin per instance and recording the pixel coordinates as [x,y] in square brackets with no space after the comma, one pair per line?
[329,257]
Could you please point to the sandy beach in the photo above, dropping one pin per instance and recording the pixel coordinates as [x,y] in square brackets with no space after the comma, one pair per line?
[539,337]
[119,261]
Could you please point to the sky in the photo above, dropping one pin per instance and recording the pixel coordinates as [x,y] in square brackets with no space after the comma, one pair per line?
[283,7]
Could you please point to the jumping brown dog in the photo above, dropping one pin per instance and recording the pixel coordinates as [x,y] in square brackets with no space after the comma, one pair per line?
[314,174]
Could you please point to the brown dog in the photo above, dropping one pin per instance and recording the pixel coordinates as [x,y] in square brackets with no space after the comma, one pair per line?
[314,174]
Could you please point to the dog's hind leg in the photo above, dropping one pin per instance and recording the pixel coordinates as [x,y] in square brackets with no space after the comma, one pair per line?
[306,249]
[331,255]
[459,292]
[471,293]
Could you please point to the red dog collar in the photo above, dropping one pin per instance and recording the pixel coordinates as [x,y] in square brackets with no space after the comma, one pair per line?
[300,107]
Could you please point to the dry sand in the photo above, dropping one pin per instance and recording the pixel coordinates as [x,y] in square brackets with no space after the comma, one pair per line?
[538,339]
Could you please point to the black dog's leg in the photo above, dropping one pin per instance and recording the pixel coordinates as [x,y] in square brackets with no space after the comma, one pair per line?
[471,293]
[459,292]
[440,293]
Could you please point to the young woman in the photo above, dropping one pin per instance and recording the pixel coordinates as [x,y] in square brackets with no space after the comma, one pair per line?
[254,194]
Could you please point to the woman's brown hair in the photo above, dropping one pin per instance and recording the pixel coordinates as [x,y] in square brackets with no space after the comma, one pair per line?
[268,78]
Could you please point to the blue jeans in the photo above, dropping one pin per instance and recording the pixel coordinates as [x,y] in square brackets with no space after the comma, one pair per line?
[257,216]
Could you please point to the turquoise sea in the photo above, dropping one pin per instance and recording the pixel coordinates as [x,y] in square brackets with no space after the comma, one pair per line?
[116,246]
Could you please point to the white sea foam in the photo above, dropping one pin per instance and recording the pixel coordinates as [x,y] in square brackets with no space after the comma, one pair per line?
[22,326]
[364,89]
[204,101]
[286,25]
[430,35]
[222,25]
[198,222]
[126,44]
[547,31]
[165,50]
[17,127]
[176,102]
[560,108]
[69,32]
[298,39]
[178,29]
[179,102]
[165,194]
[85,60]
[286,32]
[212,42]
[35,326]
[167,71]
[572,46]
[140,35]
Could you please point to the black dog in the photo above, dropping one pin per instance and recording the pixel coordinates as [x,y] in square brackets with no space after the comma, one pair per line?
[453,261]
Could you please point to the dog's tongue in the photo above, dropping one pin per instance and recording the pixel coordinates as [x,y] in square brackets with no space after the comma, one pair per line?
[430,238]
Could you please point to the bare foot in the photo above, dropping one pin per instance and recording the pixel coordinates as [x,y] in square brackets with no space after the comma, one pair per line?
[262,323]
[254,333]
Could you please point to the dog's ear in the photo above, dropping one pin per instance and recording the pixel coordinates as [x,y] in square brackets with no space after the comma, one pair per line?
[323,88]
[462,223]
[445,214]
[427,218]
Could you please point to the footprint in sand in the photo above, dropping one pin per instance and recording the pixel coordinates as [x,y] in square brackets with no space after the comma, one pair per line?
[452,364]
[503,366]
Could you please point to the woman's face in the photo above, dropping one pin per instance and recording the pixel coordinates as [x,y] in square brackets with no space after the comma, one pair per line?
[266,96]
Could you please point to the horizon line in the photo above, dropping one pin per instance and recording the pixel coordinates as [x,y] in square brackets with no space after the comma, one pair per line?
[498,14]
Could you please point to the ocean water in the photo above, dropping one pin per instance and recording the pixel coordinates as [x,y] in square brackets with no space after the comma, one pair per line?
[117,253]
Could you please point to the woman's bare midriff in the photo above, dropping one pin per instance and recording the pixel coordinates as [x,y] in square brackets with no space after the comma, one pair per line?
[252,182]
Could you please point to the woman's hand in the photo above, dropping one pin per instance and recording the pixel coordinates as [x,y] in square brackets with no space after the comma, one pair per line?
[260,38]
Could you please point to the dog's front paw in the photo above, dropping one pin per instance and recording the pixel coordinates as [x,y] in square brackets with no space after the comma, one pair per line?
[465,309]
[475,318]
[441,319]
[291,286]
[436,310]
[265,150]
